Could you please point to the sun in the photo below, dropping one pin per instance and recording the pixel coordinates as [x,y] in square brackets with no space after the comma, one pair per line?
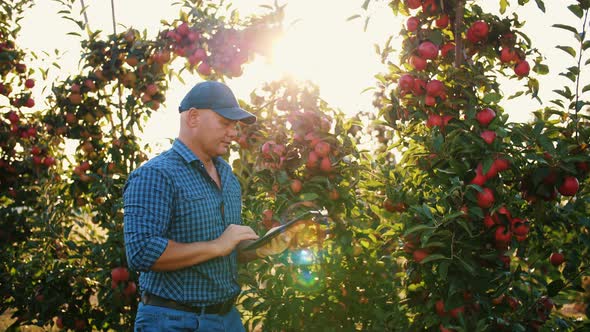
[297,54]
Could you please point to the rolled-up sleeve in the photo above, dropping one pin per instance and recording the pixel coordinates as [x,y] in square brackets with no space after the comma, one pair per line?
[147,197]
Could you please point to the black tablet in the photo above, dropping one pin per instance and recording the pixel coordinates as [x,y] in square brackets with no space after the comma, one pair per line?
[271,235]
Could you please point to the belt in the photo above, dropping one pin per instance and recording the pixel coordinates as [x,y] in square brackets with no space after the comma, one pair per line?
[217,309]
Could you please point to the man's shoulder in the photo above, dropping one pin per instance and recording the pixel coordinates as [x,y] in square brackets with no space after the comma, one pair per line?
[164,163]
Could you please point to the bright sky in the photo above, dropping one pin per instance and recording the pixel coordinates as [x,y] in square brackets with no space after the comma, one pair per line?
[322,46]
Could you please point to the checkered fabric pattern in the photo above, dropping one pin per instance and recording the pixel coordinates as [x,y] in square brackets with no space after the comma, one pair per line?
[173,197]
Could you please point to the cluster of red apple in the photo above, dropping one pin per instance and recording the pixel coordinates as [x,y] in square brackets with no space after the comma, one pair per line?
[224,51]
[505,227]
[543,308]
[120,275]
[553,181]
[10,58]
[423,51]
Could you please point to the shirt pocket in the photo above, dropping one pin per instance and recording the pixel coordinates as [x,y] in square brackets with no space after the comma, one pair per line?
[191,214]
[233,203]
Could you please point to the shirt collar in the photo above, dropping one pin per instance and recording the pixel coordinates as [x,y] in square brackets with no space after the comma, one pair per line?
[189,156]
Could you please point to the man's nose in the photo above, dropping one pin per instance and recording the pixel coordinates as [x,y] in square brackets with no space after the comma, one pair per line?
[233,131]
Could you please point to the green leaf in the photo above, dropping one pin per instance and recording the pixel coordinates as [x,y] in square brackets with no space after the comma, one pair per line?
[308,196]
[541,69]
[554,287]
[538,128]
[435,36]
[586,45]
[577,10]
[567,49]
[586,88]
[569,75]
[492,98]
[470,269]
[503,5]
[366,23]
[353,17]
[518,94]
[432,258]
[443,269]
[541,5]
[418,228]
[546,144]
[566,27]
[366,4]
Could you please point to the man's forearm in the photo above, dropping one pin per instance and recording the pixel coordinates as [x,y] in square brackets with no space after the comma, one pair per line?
[180,255]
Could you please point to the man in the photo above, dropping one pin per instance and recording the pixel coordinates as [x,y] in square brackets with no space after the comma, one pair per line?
[183,221]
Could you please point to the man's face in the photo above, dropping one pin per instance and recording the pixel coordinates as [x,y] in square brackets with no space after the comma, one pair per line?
[215,133]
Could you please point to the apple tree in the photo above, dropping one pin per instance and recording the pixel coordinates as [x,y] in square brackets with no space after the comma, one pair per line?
[494,214]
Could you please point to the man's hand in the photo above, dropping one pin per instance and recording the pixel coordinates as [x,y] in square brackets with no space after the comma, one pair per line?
[233,235]
[281,242]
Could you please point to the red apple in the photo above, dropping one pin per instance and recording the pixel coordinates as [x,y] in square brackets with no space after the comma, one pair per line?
[502,235]
[414,4]
[569,186]
[428,50]
[406,82]
[151,89]
[446,48]
[75,98]
[183,29]
[130,289]
[522,68]
[322,149]
[204,69]
[326,165]
[419,87]
[582,166]
[485,198]
[501,164]
[488,221]
[48,161]
[418,63]
[29,83]
[556,258]
[29,103]
[488,136]
[439,306]
[90,84]
[430,7]
[412,24]
[296,186]
[508,55]
[120,274]
[419,255]
[429,101]
[434,120]
[442,22]
[485,116]
[457,311]
[479,179]
[520,227]
[435,88]
[312,160]
[480,30]
[334,195]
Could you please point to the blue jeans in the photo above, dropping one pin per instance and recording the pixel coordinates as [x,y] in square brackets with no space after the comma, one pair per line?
[154,319]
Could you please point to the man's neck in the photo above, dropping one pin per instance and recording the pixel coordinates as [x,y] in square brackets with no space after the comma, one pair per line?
[206,159]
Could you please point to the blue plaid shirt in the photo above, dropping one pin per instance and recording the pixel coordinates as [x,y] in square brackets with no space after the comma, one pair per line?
[173,197]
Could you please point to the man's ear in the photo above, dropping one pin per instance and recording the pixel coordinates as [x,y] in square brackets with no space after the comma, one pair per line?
[192,117]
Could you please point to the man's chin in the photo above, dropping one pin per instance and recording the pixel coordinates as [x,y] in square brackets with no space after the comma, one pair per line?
[222,150]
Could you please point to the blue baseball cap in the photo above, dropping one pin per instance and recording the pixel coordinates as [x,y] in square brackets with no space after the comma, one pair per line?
[217,97]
